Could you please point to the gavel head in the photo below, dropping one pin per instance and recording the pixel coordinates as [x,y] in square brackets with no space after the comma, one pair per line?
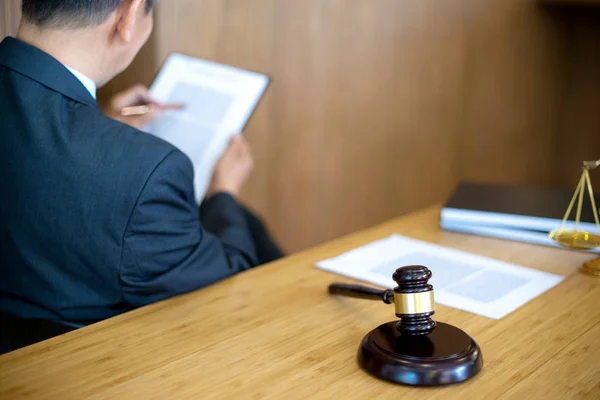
[413,300]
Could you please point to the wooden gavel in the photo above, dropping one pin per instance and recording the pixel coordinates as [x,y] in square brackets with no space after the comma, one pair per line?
[415,350]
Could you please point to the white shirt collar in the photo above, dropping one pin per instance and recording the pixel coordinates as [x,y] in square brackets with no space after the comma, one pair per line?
[89,84]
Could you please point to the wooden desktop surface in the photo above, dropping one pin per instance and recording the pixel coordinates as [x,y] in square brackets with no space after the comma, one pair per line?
[274,332]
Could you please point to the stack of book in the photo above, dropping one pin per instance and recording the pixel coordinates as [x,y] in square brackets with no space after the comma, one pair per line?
[525,214]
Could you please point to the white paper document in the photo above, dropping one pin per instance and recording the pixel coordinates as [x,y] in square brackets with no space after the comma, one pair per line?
[460,280]
[218,99]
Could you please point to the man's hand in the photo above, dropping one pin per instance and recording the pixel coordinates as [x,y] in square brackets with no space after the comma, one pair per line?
[137,96]
[233,169]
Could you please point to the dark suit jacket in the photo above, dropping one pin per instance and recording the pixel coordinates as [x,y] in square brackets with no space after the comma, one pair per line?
[97,218]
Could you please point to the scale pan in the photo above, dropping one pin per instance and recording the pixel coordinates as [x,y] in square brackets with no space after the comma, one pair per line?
[573,239]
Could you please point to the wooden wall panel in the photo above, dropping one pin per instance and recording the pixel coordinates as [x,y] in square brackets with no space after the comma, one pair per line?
[378,107]
[363,92]
[10,15]
[515,87]
[579,136]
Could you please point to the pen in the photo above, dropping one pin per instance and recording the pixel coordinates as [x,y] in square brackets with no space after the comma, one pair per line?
[148,108]
[137,110]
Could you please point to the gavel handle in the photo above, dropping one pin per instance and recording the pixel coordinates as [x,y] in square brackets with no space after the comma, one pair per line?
[361,292]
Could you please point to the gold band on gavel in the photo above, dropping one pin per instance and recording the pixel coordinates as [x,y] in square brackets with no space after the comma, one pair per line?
[414,303]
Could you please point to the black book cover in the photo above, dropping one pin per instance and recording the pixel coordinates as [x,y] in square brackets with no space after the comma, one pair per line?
[519,200]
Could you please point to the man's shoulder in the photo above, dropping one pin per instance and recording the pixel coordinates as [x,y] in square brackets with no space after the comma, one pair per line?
[108,130]
[125,156]
[122,142]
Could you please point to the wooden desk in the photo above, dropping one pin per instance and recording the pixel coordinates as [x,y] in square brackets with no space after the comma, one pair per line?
[275,333]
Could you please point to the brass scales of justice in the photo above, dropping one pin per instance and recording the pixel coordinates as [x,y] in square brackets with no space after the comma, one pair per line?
[576,238]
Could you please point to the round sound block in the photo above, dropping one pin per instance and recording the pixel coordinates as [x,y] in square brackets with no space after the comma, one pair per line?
[444,356]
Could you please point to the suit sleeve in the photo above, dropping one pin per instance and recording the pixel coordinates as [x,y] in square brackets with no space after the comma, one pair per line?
[166,250]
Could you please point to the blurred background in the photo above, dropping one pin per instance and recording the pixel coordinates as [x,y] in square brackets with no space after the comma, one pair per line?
[380,107]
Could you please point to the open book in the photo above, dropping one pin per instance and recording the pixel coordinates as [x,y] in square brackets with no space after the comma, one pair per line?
[218,99]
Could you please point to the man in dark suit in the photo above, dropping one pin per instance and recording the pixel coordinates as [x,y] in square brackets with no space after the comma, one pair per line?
[96,217]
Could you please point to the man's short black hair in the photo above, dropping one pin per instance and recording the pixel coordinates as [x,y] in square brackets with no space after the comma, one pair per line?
[71,13]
